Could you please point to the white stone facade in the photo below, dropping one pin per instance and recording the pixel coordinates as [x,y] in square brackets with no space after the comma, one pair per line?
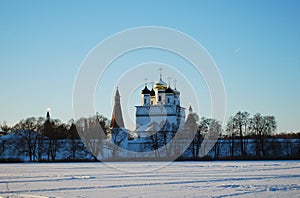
[161,105]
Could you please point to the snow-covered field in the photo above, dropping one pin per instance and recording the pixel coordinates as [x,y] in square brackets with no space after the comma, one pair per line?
[151,179]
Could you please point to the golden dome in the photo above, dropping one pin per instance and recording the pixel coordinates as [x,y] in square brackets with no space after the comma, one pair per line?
[160,85]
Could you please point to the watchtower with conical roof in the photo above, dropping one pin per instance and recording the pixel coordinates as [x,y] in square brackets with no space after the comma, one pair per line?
[117,117]
[119,134]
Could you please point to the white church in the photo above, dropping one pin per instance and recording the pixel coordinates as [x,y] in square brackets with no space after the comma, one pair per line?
[160,105]
[160,109]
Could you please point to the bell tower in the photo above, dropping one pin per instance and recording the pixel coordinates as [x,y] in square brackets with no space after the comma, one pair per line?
[117,117]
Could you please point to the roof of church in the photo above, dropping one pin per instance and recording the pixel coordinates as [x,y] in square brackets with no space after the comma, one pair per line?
[177,93]
[169,90]
[152,92]
[160,84]
[117,92]
[48,115]
[146,90]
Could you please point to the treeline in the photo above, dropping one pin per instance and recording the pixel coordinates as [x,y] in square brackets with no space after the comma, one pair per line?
[43,139]
[243,137]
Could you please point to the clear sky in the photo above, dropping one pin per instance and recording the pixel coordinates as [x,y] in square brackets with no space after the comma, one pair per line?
[256,45]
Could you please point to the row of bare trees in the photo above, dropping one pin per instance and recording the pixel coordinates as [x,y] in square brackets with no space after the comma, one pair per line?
[42,138]
[191,141]
[244,136]
[39,138]
[241,132]
[243,127]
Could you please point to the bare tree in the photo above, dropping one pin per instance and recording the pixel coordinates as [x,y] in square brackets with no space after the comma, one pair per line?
[41,149]
[74,138]
[231,133]
[262,126]
[201,132]
[214,132]
[60,131]
[53,130]
[155,138]
[28,133]
[240,125]
[93,131]
[165,132]
[191,129]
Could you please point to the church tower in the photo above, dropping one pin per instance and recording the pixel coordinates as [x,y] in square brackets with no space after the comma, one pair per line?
[119,135]
[48,115]
[117,117]
[48,125]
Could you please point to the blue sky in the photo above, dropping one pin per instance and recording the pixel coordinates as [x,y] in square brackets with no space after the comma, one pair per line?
[255,44]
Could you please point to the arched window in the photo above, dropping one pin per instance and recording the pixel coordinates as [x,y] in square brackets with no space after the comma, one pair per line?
[168,100]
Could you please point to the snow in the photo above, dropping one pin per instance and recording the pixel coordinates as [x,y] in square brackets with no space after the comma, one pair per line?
[151,179]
